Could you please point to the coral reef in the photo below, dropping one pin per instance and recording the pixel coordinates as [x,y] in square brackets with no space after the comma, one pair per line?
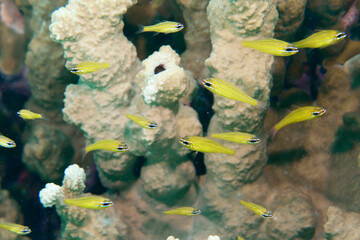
[341,225]
[12,43]
[231,22]
[197,36]
[291,16]
[80,223]
[47,78]
[9,213]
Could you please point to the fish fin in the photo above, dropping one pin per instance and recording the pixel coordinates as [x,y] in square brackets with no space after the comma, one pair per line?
[261,106]
[43,117]
[141,29]
[155,34]
[272,133]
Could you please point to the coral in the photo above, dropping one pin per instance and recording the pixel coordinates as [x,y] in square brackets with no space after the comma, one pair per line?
[231,22]
[51,149]
[291,16]
[79,223]
[341,225]
[293,216]
[328,12]
[9,213]
[197,36]
[47,78]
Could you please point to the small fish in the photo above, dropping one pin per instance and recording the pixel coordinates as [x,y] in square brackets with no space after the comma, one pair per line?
[202,144]
[28,115]
[259,210]
[272,46]
[230,91]
[88,67]
[6,142]
[16,228]
[321,39]
[143,122]
[163,27]
[111,145]
[238,137]
[96,202]
[298,115]
[240,238]
[186,211]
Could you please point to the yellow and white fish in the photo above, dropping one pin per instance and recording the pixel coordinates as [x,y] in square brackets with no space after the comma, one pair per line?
[88,67]
[96,202]
[6,142]
[110,145]
[240,238]
[202,144]
[28,115]
[259,210]
[321,39]
[143,122]
[163,27]
[186,211]
[298,115]
[230,91]
[238,137]
[272,46]
[16,228]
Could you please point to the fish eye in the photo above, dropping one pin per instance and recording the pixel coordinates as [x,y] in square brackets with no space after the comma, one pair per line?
[153,125]
[267,214]
[341,35]
[254,140]
[206,83]
[291,49]
[74,69]
[179,26]
[25,230]
[107,203]
[122,147]
[10,143]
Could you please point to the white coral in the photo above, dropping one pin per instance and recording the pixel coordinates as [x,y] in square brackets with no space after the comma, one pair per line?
[50,194]
[172,238]
[213,237]
[166,87]
[74,178]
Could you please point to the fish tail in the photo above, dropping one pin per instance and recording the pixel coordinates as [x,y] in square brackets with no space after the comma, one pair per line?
[141,29]
[261,106]
[272,133]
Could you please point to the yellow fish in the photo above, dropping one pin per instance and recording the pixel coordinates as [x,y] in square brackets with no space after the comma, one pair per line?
[88,67]
[272,46]
[96,202]
[298,115]
[321,39]
[143,122]
[230,91]
[186,211]
[259,210]
[111,145]
[16,228]
[28,115]
[240,238]
[238,137]
[202,144]
[6,142]
[163,27]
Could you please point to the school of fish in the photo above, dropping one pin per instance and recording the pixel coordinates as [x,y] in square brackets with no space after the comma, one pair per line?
[219,87]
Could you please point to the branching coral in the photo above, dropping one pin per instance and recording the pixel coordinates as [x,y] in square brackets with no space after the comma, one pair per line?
[78,222]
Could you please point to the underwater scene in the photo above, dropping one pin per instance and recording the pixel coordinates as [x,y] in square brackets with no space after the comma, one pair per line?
[180,119]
